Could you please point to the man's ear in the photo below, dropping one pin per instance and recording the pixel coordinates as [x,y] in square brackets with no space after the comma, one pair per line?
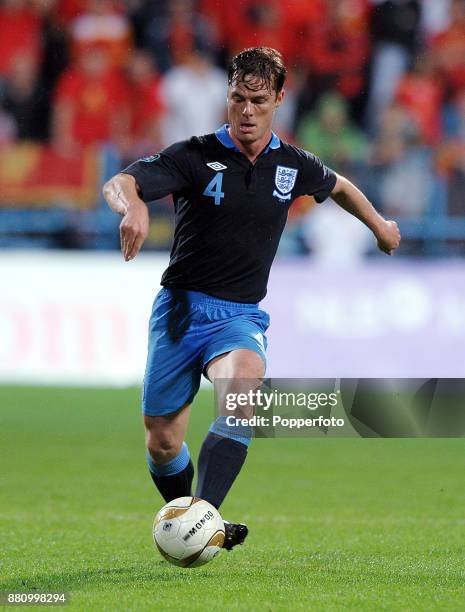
[279,98]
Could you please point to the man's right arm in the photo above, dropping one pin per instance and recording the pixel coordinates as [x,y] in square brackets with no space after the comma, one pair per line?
[123,196]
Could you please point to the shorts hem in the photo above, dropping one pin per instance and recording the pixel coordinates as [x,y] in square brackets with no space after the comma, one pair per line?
[166,411]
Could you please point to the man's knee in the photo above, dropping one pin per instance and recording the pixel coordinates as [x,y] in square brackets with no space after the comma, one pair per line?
[164,435]
[161,443]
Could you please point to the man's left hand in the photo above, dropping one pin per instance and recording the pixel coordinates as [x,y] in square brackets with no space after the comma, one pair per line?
[388,236]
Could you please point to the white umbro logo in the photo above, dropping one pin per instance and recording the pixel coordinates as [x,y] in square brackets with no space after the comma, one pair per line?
[216,166]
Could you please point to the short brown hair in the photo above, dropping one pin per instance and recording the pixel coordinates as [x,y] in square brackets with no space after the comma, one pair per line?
[262,62]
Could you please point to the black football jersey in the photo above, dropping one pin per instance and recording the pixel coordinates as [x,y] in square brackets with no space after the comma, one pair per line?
[229,213]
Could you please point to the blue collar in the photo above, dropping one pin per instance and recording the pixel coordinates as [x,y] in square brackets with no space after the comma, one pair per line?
[223,136]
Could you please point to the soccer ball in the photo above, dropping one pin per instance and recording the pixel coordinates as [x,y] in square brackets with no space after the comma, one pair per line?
[188,531]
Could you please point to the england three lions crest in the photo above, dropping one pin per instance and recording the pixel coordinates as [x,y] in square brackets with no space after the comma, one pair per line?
[285,181]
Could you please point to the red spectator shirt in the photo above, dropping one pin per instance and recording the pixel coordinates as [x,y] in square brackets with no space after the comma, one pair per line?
[95,103]
[20,33]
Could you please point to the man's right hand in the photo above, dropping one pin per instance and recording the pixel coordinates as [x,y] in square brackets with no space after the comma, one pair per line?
[123,197]
[134,229]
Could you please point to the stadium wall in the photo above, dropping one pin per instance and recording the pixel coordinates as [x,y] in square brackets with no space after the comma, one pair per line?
[81,318]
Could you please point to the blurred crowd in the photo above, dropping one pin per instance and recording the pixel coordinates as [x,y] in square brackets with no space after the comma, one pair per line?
[375,87]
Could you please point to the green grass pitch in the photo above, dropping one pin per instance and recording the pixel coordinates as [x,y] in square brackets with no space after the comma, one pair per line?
[359,524]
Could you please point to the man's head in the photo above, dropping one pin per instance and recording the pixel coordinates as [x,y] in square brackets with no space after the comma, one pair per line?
[255,89]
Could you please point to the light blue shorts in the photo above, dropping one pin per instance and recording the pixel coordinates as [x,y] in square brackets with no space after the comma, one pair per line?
[187,330]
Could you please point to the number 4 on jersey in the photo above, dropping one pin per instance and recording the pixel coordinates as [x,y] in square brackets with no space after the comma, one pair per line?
[213,189]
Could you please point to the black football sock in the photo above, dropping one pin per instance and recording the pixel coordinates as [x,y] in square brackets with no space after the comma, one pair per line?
[173,479]
[220,461]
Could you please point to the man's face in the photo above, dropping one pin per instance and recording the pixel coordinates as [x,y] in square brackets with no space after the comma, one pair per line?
[250,108]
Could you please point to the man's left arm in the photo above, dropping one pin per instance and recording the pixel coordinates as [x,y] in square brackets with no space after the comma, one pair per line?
[353,201]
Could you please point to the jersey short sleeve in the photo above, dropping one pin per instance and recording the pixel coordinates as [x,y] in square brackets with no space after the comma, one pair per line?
[317,179]
[166,172]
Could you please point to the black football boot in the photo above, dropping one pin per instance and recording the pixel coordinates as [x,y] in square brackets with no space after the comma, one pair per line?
[234,533]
